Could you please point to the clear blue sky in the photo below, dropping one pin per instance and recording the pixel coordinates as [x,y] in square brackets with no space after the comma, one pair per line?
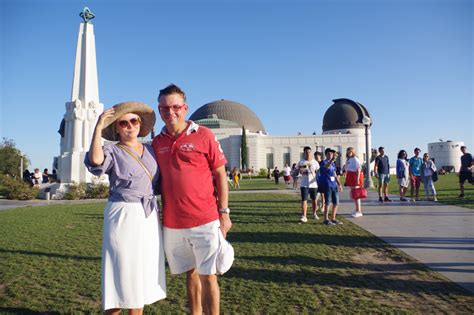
[410,62]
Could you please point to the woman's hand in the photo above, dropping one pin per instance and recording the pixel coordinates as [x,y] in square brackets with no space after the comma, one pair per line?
[106,114]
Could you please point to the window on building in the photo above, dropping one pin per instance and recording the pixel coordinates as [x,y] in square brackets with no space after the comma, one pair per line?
[286,158]
[270,160]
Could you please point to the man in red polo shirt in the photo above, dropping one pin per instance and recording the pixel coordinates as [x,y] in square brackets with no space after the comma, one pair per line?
[195,199]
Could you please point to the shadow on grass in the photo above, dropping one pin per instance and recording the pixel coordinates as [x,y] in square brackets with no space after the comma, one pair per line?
[51,255]
[14,310]
[383,281]
[304,238]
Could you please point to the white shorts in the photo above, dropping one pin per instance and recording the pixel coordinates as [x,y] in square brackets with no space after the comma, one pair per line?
[193,248]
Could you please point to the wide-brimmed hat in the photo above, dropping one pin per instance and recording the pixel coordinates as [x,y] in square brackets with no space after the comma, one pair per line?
[225,255]
[146,113]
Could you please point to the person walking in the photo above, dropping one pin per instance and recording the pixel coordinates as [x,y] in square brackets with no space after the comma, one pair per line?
[276,175]
[330,185]
[195,199]
[402,173]
[320,202]
[415,175]
[428,168]
[308,168]
[465,171]
[236,177]
[382,172]
[295,175]
[287,174]
[133,262]
[354,178]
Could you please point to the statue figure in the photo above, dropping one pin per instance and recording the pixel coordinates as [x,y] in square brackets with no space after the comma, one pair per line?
[86,15]
[92,112]
[78,116]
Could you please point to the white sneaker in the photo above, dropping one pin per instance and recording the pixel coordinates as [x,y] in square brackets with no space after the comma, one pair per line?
[315,216]
[435,199]
[357,214]
[412,200]
[303,219]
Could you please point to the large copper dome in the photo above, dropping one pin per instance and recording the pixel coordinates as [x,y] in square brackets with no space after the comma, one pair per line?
[345,114]
[229,111]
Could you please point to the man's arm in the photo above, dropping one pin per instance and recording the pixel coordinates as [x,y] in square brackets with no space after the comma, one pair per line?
[222,198]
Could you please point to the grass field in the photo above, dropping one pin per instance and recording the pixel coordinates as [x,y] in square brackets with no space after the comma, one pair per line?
[50,263]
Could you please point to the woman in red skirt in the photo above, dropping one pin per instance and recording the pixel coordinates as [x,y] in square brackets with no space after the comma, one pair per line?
[354,178]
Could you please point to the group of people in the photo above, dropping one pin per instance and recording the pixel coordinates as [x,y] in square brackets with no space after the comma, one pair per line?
[37,178]
[187,165]
[414,171]
[320,182]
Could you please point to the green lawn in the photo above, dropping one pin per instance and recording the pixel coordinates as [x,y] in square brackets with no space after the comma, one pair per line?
[50,262]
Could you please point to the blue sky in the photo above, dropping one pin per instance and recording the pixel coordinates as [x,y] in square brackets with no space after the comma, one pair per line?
[410,62]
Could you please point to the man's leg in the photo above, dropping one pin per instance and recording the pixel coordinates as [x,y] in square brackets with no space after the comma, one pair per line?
[334,212]
[304,208]
[417,187]
[210,294]
[193,286]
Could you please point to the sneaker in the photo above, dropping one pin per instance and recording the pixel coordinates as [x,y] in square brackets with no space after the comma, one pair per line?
[380,199]
[328,222]
[412,200]
[357,214]
[403,199]
[315,216]
[461,196]
[435,199]
[303,219]
[336,222]
[387,199]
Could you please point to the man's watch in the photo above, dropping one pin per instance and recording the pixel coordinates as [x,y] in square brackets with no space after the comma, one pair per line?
[224,210]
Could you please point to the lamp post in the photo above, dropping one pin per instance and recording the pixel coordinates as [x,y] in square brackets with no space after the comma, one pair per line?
[366,121]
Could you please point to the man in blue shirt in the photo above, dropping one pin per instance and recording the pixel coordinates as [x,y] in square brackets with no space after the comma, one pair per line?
[465,172]
[415,174]
[382,172]
[330,186]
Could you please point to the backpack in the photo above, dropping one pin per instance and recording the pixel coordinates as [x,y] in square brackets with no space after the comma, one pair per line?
[434,176]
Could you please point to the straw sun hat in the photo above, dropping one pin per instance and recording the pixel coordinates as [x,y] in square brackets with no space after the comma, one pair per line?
[146,113]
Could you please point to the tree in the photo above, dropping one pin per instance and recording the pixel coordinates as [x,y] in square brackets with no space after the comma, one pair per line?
[10,159]
[244,150]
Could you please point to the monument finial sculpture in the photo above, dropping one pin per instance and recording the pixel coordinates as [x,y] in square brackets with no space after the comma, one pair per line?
[86,15]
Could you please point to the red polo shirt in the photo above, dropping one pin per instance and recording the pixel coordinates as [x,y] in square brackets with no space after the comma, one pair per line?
[187,186]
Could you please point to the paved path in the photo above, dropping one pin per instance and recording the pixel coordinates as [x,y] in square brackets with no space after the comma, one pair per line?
[440,236]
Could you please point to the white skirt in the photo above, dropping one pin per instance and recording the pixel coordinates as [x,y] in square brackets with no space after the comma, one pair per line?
[133,261]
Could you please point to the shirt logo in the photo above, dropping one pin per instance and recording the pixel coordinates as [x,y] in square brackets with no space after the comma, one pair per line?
[163,150]
[187,147]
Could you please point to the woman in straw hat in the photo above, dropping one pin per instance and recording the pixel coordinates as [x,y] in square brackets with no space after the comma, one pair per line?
[133,270]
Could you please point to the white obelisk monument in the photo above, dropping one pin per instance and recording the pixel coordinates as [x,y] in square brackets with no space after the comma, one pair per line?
[83,110]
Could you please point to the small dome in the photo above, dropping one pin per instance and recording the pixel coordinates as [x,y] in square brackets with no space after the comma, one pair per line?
[228,111]
[345,114]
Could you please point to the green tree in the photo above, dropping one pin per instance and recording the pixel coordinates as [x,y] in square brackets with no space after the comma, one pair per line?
[10,159]
[244,150]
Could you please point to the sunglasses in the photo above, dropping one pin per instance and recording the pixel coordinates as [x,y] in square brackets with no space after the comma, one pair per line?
[129,123]
[174,108]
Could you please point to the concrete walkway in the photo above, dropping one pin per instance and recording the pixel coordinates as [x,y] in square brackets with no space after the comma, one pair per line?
[439,236]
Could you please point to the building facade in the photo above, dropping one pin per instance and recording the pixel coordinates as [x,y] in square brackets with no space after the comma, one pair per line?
[342,128]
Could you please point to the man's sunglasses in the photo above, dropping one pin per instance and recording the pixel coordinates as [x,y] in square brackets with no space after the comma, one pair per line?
[174,108]
[132,122]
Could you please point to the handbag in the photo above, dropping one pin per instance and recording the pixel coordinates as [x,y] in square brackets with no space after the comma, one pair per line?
[359,193]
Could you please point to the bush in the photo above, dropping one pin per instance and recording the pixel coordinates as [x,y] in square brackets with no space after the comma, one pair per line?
[17,189]
[76,191]
[85,191]
[263,172]
[97,191]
